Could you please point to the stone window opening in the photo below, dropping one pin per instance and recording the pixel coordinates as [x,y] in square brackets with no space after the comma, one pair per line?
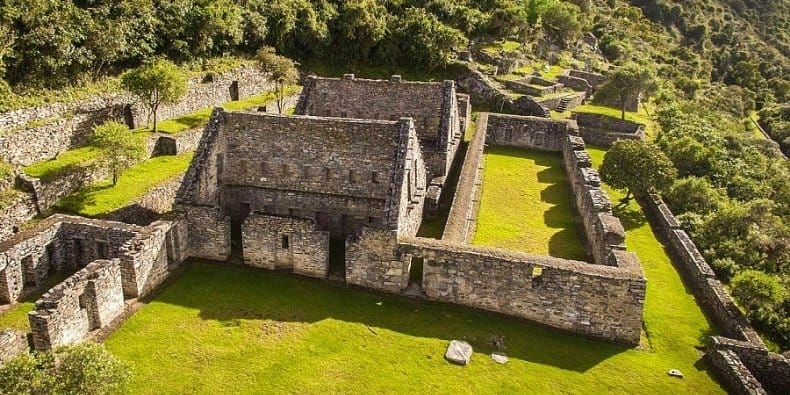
[78,252]
[291,212]
[537,275]
[351,176]
[327,173]
[28,272]
[343,114]
[374,178]
[284,242]
[371,220]
[328,113]
[101,250]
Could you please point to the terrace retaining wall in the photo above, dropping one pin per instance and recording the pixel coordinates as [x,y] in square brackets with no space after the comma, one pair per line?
[602,130]
[12,343]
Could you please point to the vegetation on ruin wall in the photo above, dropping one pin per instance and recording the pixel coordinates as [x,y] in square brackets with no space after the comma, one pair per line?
[526,204]
[222,328]
[104,198]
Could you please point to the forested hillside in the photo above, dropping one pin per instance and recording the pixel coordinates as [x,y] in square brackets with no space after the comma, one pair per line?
[720,64]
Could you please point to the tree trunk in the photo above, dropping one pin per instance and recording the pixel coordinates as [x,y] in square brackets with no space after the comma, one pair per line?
[114,176]
[279,96]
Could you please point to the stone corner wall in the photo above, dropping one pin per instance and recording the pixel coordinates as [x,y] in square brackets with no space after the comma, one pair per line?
[272,242]
[602,130]
[152,256]
[12,343]
[89,299]
[208,231]
[528,132]
[372,261]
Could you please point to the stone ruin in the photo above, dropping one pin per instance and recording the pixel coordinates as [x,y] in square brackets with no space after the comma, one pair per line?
[440,114]
[332,196]
[109,263]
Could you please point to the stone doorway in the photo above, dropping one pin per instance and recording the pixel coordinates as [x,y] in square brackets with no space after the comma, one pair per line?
[236,245]
[337,260]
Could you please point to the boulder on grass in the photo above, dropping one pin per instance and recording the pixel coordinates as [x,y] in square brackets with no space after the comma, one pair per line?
[458,352]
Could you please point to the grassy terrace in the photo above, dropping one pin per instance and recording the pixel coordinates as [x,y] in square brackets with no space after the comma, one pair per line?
[526,206]
[102,197]
[639,117]
[232,329]
[87,155]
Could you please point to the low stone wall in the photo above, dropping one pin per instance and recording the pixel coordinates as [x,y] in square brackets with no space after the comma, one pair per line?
[285,243]
[602,230]
[528,132]
[148,208]
[597,301]
[462,219]
[175,144]
[594,79]
[575,83]
[12,343]
[574,100]
[527,86]
[483,91]
[49,192]
[742,346]
[34,134]
[529,106]
[90,299]
[602,130]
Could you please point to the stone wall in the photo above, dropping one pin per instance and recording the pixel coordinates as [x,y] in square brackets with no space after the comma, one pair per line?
[149,207]
[152,256]
[372,261]
[602,130]
[573,100]
[432,105]
[34,134]
[208,231]
[464,111]
[740,346]
[594,79]
[26,261]
[285,243]
[528,86]
[530,106]
[462,219]
[48,192]
[592,300]
[528,132]
[89,299]
[20,210]
[12,343]
[575,83]
[602,230]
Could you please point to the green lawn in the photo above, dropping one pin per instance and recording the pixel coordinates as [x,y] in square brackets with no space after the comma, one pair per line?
[103,197]
[526,206]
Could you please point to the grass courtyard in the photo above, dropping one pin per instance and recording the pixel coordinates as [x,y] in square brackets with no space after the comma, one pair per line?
[526,204]
[229,329]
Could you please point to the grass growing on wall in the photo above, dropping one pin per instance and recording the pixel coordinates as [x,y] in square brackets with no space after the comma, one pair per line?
[103,198]
[526,204]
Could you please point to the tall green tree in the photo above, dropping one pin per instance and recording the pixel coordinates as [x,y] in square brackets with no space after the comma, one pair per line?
[119,147]
[156,83]
[627,83]
[637,167]
[563,22]
[282,70]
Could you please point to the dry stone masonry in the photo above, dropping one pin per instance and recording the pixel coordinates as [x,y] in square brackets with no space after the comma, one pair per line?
[111,262]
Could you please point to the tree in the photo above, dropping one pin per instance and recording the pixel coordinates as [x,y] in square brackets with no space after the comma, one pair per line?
[627,82]
[563,22]
[283,72]
[156,83]
[694,195]
[82,369]
[637,167]
[118,146]
[756,290]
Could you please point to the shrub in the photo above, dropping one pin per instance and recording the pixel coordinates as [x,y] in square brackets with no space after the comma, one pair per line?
[756,290]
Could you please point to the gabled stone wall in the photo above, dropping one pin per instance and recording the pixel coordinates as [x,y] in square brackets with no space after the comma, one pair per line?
[295,244]
[90,299]
[432,105]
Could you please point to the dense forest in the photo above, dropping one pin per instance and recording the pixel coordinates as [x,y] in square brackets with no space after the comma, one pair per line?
[721,64]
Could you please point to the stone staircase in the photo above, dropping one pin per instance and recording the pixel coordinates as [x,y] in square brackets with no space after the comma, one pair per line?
[563,106]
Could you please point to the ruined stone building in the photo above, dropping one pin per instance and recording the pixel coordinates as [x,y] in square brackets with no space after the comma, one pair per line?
[440,114]
[280,188]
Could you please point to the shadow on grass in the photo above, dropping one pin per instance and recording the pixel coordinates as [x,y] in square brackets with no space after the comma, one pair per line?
[230,294]
[631,217]
[77,201]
